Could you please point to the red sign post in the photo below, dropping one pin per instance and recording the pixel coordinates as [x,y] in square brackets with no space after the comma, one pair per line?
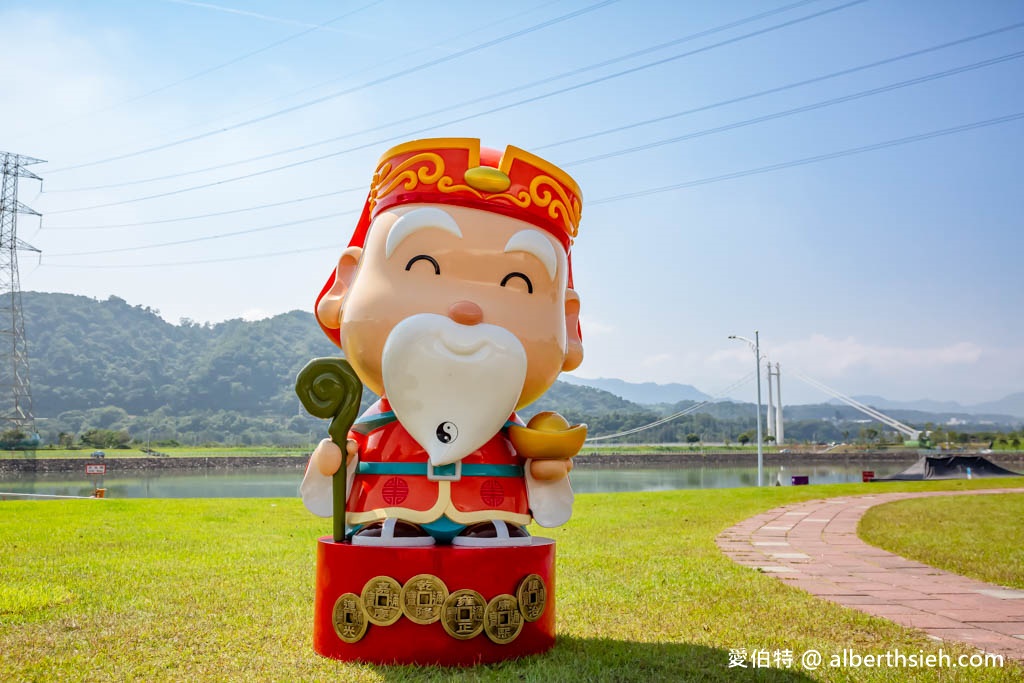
[96,468]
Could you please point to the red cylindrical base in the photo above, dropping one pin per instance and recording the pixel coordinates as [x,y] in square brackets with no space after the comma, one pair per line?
[349,588]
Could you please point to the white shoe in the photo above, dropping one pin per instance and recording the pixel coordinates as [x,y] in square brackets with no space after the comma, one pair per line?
[493,534]
[387,537]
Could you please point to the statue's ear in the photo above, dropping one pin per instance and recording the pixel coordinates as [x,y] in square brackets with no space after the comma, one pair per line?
[328,309]
[573,338]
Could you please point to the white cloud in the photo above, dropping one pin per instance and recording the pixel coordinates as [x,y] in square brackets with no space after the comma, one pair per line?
[255,314]
[592,326]
[656,359]
[828,357]
[965,370]
[824,356]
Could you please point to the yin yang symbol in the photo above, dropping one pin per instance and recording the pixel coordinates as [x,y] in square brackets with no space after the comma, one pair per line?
[447,432]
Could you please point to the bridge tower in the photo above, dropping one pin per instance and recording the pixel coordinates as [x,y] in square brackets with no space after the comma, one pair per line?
[780,432]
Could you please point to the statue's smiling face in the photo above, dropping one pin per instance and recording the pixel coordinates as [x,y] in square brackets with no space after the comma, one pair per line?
[473,269]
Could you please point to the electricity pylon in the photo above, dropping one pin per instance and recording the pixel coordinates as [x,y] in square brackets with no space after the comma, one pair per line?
[15,390]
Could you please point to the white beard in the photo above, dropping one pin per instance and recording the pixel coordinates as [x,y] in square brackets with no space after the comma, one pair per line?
[452,386]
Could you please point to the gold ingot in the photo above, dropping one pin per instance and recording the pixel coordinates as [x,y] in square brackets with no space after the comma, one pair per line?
[382,600]
[487,179]
[463,614]
[349,618]
[548,436]
[502,619]
[532,595]
[423,598]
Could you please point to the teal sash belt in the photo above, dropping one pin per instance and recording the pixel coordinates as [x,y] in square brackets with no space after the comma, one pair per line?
[420,469]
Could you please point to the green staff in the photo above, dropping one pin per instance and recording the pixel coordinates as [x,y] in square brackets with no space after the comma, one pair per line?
[329,388]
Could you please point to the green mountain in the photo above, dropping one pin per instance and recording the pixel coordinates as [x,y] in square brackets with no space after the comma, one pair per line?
[113,366]
[646,393]
[111,372]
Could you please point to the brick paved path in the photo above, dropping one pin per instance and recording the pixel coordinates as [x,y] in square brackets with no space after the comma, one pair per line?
[814,546]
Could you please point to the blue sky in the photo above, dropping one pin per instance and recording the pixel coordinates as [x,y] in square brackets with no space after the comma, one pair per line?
[895,271]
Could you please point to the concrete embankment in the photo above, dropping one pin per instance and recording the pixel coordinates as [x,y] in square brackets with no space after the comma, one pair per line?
[1012,460]
[135,464]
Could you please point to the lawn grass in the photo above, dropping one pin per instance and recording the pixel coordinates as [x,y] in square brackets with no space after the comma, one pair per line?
[221,589]
[981,537]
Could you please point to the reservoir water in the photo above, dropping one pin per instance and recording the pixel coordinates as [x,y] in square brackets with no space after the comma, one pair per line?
[275,482]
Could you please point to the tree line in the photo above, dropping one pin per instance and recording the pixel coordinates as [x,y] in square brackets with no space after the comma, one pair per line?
[107,374]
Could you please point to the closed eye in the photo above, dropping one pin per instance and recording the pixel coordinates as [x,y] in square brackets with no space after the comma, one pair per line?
[424,257]
[521,276]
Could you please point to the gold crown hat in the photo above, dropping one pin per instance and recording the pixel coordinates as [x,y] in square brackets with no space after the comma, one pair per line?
[459,171]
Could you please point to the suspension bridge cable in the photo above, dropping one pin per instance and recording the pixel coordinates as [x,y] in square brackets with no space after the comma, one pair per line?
[464,118]
[878,415]
[422,115]
[675,416]
[346,91]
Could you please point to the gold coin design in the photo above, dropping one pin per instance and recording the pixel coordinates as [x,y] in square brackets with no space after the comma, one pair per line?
[463,616]
[502,619]
[382,600]
[349,618]
[423,597]
[532,595]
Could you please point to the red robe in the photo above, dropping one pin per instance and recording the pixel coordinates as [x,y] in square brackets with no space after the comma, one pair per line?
[391,479]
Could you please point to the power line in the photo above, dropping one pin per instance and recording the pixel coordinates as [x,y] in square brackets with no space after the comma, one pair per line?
[207,238]
[485,98]
[800,110]
[217,67]
[352,89]
[813,159]
[245,13]
[181,219]
[692,183]
[249,257]
[782,88]
[468,117]
[402,57]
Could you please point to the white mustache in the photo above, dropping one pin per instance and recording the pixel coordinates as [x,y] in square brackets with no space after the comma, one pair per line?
[452,386]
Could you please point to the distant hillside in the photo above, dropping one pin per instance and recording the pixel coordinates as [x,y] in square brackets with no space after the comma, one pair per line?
[88,354]
[991,410]
[1010,405]
[647,393]
[110,365]
[882,403]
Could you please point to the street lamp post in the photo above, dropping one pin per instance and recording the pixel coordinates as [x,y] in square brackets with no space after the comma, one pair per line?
[755,346]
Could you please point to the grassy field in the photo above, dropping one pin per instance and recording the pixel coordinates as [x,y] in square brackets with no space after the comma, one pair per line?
[222,590]
[979,537]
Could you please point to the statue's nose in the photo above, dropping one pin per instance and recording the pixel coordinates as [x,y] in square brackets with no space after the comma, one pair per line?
[465,313]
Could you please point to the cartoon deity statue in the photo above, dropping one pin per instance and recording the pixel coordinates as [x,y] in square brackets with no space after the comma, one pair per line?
[454,303]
